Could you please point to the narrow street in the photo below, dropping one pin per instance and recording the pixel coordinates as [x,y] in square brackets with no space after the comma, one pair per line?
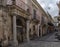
[50,38]
[29,23]
[46,41]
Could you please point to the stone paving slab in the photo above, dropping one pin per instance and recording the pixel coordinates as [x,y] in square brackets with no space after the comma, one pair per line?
[41,44]
[48,41]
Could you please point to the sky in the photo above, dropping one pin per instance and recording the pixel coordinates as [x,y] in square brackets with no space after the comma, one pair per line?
[50,6]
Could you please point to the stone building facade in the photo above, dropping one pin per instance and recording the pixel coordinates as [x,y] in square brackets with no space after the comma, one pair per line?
[14,18]
[21,20]
[45,19]
[59,15]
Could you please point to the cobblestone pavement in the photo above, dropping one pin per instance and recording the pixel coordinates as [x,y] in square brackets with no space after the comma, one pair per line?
[50,37]
[41,44]
[47,41]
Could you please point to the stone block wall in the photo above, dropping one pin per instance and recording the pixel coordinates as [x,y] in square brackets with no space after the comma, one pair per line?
[5,26]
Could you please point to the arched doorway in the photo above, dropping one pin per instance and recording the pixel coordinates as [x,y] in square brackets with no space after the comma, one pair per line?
[20,29]
[44,31]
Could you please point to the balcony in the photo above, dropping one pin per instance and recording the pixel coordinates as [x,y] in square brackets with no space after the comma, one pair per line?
[22,4]
[36,18]
[43,21]
[19,7]
[18,3]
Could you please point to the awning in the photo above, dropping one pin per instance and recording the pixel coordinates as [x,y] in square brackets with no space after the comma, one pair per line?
[50,24]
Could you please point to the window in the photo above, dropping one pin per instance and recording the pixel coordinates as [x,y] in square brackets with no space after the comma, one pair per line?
[42,20]
[59,12]
[28,10]
[34,13]
[34,28]
[0,2]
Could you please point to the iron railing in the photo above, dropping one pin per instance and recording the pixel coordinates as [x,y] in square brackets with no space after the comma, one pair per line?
[22,5]
[37,17]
